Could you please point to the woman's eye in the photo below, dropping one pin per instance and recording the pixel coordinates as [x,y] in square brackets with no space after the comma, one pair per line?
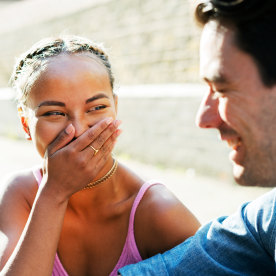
[98,107]
[54,113]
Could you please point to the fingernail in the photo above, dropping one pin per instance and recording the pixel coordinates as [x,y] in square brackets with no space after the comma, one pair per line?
[117,123]
[69,129]
[109,120]
[118,132]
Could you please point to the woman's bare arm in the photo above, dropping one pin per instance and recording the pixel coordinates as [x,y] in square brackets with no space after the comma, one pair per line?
[32,251]
[29,248]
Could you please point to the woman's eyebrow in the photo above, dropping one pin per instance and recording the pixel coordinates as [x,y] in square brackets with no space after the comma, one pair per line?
[96,97]
[56,103]
[49,103]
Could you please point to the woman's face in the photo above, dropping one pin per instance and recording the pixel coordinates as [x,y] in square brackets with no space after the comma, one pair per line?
[71,89]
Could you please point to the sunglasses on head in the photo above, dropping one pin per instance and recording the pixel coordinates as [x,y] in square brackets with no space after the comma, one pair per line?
[240,10]
[223,6]
[226,3]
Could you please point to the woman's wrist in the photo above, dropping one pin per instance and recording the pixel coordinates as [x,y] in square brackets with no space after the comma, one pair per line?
[53,196]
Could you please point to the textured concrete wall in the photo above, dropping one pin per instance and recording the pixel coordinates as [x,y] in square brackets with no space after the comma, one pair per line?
[159,130]
[149,41]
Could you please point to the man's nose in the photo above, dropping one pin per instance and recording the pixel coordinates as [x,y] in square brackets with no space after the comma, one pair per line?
[208,114]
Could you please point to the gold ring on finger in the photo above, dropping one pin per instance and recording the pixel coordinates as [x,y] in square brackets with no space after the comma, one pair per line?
[95,150]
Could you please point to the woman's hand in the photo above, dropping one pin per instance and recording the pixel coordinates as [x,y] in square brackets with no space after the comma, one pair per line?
[70,166]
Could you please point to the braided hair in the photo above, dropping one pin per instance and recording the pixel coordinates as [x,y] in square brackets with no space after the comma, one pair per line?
[30,63]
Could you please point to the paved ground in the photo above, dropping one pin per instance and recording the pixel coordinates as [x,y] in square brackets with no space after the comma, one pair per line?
[206,197]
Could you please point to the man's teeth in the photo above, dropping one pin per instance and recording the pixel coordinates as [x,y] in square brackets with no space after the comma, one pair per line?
[234,143]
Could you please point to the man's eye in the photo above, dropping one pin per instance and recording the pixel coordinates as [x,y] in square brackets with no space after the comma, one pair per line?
[218,94]
[54,113]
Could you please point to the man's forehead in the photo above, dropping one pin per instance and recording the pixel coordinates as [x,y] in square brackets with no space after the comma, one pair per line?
[216,44]
[217,37]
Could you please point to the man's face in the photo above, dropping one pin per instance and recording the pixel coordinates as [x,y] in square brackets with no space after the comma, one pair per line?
[239,106]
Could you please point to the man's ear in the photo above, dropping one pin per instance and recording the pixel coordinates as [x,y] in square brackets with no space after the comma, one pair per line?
[24,123]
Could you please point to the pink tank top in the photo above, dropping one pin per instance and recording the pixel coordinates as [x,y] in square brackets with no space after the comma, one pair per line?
[130,253]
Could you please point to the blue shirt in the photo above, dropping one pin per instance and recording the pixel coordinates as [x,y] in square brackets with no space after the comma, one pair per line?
[240,244]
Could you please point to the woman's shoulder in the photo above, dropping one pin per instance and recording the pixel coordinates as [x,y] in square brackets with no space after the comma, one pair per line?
[20,185]
[168,221]
[17,193]
[22,178]
[158,197]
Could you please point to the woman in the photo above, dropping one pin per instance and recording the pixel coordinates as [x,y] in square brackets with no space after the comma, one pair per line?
[74,215]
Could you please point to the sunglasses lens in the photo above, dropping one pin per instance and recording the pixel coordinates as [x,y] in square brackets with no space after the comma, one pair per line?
[240,10]
[225,3]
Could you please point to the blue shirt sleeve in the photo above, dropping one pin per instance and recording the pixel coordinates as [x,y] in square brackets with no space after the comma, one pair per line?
[240,244]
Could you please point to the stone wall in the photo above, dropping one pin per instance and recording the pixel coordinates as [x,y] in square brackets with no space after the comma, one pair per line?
[158,130]
[161,130]
[149,41]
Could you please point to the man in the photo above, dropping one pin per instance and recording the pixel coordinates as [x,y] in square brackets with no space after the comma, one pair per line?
[237,61]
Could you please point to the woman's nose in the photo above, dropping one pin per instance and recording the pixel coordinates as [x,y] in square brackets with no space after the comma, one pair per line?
[208,114]
[81,125]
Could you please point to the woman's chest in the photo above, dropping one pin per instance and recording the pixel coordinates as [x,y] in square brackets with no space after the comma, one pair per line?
[92,246]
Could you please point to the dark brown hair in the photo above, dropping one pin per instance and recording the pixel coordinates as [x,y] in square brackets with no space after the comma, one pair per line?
[254,24]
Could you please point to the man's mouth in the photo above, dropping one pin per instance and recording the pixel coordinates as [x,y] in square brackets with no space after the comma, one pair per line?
[238,151]
[234,143]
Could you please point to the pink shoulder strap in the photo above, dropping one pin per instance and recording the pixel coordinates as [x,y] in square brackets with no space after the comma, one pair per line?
[58,269]
[136,202]
[37,174]
[130,253]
